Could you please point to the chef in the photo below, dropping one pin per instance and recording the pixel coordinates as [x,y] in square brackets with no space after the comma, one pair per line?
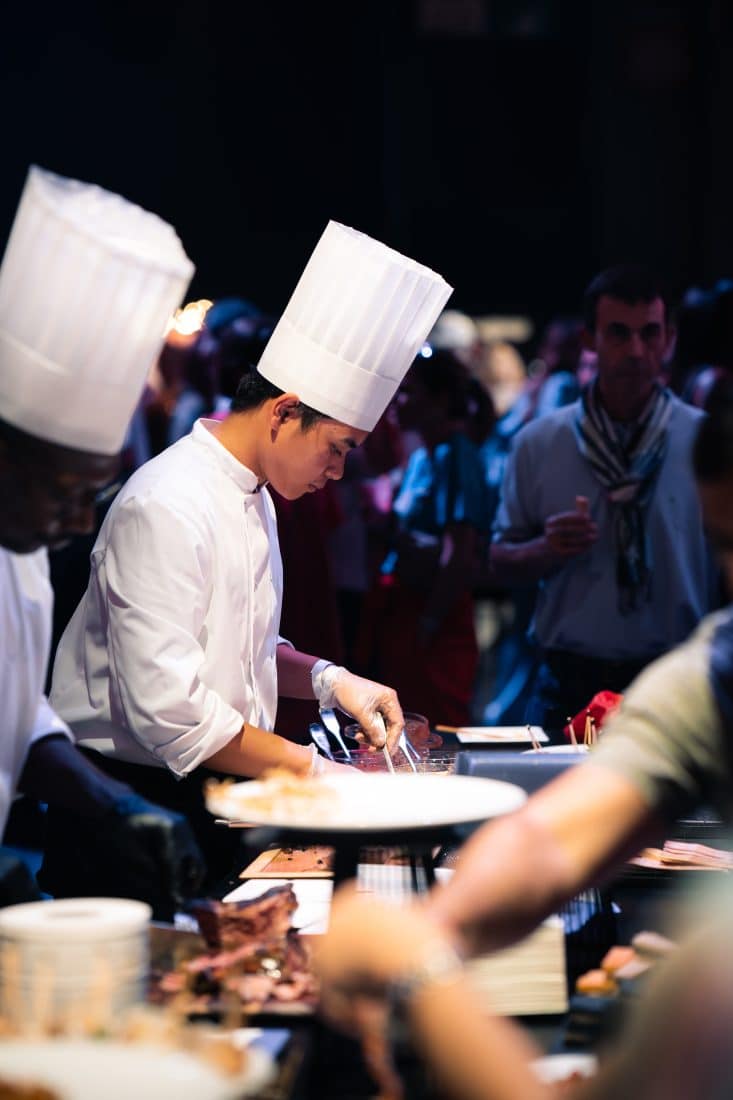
[176,639]
[87,284]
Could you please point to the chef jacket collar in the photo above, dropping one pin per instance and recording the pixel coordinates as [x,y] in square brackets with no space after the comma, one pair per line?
[240,474]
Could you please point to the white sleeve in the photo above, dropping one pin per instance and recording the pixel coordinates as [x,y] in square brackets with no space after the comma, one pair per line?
[47,722]
[158,576]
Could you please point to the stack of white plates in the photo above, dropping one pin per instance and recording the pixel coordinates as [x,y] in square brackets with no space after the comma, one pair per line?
[72,965]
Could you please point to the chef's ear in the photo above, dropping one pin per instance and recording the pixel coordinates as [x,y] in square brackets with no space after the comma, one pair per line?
[285,408]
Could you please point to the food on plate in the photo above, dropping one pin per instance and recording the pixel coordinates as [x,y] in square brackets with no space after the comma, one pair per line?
[654,944]
[596,983]
[282,794]
[633,969]
[19,1090]
[255,959]
[616,958]
[679,854]
[624,963]
[258,923]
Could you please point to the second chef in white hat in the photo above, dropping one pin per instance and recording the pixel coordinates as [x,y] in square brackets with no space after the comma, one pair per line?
[87,284]
[176,640]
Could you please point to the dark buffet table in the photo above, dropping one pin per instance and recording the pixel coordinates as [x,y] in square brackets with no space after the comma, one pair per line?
[316,1062]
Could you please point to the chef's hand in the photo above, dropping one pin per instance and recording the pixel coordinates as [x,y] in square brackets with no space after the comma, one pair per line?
[154,853]
[321,765]
[375,707]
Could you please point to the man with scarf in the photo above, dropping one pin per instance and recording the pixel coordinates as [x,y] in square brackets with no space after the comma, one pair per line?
[598,504]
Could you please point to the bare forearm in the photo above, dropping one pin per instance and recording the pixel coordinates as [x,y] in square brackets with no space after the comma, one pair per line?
[294,673]
[477,1057]
[253,751]
[513,872]
[523,562]
[510,876]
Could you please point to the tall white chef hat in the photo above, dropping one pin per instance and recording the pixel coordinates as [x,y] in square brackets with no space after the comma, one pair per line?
[354,324]
[87,284]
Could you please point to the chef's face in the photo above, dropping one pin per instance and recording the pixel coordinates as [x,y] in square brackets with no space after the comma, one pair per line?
[48,492]
[302,460]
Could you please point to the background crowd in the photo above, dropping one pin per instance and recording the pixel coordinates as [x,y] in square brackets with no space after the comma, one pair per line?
[399,549]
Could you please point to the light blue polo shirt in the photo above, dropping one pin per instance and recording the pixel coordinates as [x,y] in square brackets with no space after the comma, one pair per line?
[577,606]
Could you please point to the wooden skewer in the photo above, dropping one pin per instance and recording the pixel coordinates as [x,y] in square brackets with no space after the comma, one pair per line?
[535,743]
[449,729]
[586,731]
[571,731]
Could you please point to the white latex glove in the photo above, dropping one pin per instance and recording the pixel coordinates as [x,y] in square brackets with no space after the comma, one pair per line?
[321,765]
[368,702]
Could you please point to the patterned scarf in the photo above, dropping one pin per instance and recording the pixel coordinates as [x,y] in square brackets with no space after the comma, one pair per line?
[627,469]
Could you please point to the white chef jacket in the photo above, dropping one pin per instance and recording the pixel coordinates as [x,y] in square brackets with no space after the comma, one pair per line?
[176,637]
[26,607]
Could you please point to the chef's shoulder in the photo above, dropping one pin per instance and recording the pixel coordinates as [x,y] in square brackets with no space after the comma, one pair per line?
[174,489]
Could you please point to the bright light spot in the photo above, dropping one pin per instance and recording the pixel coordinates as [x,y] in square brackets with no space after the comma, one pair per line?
[190,319]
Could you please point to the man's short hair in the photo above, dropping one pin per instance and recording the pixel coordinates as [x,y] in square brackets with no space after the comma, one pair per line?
[629,283]
[254,389]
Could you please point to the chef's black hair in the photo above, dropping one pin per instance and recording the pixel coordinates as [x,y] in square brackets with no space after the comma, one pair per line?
[253,390]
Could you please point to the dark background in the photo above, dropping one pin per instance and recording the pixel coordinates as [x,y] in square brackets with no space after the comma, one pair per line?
[516,146]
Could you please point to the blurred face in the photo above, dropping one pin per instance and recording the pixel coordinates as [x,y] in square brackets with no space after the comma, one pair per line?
[302,462]
[560,346]
[716,498]
[631,343]
[415,406]
[48,493]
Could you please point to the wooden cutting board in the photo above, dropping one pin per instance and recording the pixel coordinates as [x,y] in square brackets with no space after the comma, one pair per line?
[313,862]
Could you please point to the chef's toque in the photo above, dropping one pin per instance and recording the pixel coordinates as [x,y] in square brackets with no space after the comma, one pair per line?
[87,285]
[353,326]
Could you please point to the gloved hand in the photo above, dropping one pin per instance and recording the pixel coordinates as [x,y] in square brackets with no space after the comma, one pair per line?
[321,765]
[136,850]
[375,707]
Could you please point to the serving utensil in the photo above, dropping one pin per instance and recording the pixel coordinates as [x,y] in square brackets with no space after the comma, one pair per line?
[319,737]
[409,752]
[387,758]
[331,722]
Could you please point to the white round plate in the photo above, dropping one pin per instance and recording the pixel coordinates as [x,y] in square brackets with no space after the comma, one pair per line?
[372,802]
[563,750]
[88,1069]
[555,1068]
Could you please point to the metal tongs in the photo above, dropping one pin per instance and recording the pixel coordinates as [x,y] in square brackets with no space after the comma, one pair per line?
[409,751]
[331,722]
[410,754]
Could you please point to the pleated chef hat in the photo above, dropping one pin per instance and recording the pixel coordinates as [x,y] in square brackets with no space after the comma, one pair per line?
[355,322]
[87,284]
